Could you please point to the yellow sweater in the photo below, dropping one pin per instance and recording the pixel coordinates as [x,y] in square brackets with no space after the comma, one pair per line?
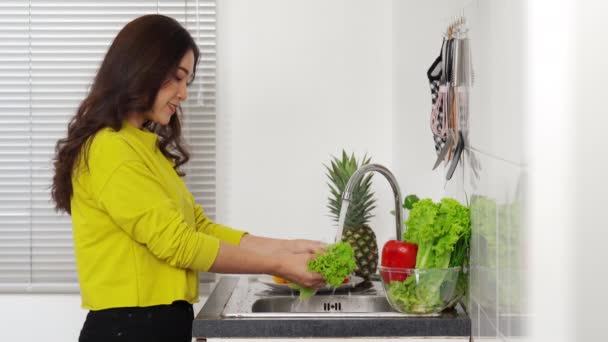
[139,236]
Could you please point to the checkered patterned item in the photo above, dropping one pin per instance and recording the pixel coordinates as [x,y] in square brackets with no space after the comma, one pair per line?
[434,75]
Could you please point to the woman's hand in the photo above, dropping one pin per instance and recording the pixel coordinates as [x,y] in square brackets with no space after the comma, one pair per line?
[293,267]
[305,246]
[270,246]
[282,263]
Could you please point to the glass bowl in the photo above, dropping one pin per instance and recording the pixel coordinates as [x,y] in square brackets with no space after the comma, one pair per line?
[422,291]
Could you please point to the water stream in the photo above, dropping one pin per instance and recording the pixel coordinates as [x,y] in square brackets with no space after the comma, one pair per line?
[296,306]
[341,219]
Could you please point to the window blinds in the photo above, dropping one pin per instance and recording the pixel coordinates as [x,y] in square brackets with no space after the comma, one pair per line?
[49,52]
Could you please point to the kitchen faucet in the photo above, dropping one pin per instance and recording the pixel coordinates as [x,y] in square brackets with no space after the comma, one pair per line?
[354,180]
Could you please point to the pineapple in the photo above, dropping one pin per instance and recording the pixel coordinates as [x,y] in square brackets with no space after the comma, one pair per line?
[356,231]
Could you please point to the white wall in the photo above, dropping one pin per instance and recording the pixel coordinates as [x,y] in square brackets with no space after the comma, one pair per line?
[552,226]
[49,317]
[29,317]
[299,81]
[587,198]
[569,196]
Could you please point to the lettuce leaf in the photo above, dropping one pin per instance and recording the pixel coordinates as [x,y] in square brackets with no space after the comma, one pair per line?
[441,231]
[305,292]
[336,264]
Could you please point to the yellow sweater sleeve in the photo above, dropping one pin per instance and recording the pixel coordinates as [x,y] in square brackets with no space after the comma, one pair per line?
[139,205]
[205,225]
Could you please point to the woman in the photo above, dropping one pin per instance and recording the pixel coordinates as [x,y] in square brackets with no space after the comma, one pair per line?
[139,237]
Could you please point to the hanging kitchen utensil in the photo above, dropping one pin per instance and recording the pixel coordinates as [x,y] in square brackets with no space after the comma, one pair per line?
[443,152]
[439,124]
[453,73]
[438,119]
[450,112]
[465,76]
[456,158]
[441,113]
[462,80]
[444,93]
[449,132]
[452,119]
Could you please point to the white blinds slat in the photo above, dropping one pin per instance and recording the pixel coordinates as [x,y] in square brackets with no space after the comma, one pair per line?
[15,219]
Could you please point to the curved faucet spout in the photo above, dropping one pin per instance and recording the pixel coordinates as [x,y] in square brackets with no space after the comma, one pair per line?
[354,180]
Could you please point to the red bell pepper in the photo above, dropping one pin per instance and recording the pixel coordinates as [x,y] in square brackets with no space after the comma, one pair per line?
[398,254]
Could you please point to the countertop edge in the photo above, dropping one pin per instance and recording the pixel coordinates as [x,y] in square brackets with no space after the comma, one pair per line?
[337,327]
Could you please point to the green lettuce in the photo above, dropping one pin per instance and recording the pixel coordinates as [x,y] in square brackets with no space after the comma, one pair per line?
[441,231]
[336,264]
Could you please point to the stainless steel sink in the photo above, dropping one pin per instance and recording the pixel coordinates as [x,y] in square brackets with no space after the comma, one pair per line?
[323,304]
[250,298]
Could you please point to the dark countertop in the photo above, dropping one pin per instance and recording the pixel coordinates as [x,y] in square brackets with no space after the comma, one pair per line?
[213,322]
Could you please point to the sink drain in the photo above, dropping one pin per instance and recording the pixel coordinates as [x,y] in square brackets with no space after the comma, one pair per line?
[337,306]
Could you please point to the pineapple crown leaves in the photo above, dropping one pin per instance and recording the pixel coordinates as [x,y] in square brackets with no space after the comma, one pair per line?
[362,198]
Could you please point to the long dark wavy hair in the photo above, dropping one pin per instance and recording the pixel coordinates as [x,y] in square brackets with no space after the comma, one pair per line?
[143,55]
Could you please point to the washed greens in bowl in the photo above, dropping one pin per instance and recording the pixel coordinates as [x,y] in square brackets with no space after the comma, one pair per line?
[437,238]
[422,291]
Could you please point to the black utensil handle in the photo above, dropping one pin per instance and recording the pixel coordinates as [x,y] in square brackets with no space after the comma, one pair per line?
[457,154]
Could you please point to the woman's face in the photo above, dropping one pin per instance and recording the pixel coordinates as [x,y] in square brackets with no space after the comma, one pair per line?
[172,92]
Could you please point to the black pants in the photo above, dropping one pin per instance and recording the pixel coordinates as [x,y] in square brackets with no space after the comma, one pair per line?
[171,323]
